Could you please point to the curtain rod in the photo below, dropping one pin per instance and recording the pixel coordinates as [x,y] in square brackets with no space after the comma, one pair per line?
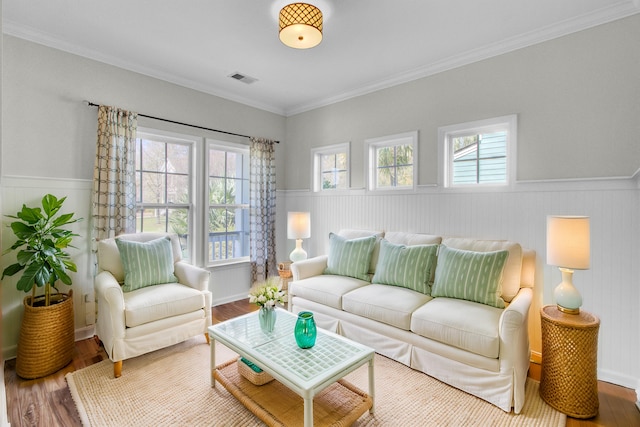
[92,104]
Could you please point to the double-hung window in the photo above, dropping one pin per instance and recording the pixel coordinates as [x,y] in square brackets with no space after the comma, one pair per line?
[164,186]
[331,167]
[480,153]
[392,162]
[228,201]
[197,188]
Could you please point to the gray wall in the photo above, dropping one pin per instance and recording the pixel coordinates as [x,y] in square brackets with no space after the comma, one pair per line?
[48,145]
[576,98]
[578,105]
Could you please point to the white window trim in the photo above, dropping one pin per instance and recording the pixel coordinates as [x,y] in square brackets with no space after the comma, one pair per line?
[226,146]
[316,154]
[371,144]
[446,133]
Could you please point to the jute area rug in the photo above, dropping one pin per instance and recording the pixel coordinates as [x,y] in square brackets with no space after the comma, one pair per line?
[172,387]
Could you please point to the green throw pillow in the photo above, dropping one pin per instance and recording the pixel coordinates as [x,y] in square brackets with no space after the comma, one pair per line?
[406,266]
[350,257]
[472,276]
[146,263]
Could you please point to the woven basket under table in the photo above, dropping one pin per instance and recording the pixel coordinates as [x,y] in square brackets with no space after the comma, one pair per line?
[257,378]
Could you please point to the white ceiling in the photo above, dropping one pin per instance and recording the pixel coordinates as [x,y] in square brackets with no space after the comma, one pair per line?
[367,44]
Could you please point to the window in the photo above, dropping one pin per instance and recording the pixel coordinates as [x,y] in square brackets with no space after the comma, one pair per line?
[478,153]
[331,167]
[164,186]
[228,202]
[392,162]
[196,188]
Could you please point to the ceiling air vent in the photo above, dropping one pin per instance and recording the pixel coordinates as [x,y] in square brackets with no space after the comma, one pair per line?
[243,78]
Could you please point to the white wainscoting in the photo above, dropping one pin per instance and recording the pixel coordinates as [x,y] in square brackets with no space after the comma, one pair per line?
[17,191]
[230,282]
[610,288]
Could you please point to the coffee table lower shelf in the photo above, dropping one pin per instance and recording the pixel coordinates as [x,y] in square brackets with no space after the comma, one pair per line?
[340,404]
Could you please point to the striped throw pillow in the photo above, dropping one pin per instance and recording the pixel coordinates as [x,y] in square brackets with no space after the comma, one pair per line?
[472,276]
[350,257]
[146,263]
[405,266]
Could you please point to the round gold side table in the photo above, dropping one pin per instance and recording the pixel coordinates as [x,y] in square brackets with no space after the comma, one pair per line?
[568,380]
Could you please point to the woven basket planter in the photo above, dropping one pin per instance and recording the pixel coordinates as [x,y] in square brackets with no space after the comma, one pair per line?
[47,337]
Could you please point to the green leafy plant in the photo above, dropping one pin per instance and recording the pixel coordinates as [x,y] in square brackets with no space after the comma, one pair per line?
[41,245]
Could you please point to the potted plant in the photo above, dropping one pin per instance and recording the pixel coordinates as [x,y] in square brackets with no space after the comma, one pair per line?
[46,339]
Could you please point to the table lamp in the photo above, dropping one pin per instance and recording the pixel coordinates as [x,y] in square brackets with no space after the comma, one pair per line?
[298,227]
[568,248]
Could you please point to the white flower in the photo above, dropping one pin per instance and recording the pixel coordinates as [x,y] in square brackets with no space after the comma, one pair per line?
[268,294]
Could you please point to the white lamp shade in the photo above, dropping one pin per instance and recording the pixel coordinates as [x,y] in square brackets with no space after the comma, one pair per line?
[568,241]
[298,225]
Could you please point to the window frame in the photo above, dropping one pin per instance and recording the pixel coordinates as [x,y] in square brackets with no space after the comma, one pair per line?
[316,169]
[373,144]
[211,143]
[446,134]
[158,135]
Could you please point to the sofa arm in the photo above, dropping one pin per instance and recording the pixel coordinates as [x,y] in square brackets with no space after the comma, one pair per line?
[190,275]
[515,353]
[309,267]
[514,321]
[109,297]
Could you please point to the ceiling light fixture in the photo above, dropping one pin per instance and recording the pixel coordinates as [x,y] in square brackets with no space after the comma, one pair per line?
[300,25]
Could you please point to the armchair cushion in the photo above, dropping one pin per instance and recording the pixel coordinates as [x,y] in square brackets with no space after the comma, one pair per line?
[146,263]
[153,303]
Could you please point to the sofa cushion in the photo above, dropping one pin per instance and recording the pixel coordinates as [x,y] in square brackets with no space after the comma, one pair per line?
[146,263]
[459,323]
[387,304]
[355,234]
[157,302]
[326,289]
[411,239]
[349,257]
[513,268]
[405,266]
[469,275]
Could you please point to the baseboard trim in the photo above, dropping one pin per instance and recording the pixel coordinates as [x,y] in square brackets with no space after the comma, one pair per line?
[536,357]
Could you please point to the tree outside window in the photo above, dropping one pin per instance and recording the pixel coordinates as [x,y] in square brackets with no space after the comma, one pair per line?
[163,186]
[392,163]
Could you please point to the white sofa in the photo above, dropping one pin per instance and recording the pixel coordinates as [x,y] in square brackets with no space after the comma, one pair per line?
[149,318]
[481,349]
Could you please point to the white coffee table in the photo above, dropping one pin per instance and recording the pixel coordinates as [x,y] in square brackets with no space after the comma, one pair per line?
[305,372]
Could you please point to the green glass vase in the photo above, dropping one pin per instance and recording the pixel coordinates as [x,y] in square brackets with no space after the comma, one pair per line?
[267,317]
[305,330]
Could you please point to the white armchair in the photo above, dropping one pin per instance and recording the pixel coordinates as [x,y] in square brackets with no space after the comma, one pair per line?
[152,317]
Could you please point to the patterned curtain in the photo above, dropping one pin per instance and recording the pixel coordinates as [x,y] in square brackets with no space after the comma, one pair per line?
[262,207]
[114,184]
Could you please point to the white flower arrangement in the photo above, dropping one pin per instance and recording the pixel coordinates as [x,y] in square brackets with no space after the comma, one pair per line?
[268,293]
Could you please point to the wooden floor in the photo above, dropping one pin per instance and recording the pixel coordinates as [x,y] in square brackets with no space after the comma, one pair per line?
[47,401]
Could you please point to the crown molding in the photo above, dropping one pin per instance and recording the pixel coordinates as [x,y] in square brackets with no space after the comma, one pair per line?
[551,32]
[30,34]
[579,23]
